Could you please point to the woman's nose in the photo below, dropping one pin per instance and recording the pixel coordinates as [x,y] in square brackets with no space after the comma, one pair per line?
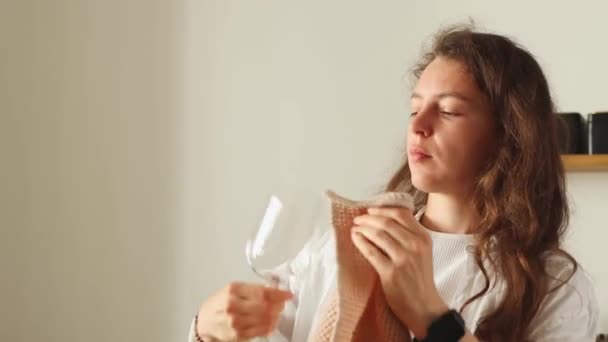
[422,123]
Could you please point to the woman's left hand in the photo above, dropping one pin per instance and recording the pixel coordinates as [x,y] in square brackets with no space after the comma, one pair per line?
[401,252]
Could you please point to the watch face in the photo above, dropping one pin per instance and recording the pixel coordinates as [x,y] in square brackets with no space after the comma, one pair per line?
[448,327]
[457,317]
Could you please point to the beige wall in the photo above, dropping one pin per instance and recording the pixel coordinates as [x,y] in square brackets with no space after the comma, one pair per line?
[87,131]
[135,136]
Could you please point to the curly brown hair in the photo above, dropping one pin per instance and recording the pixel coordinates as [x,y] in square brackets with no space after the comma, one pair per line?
[520,192]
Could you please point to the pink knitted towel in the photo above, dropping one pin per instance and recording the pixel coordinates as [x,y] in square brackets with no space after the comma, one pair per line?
[358,312]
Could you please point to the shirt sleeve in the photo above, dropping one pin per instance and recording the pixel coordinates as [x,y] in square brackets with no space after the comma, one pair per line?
[191,334]
[293,275]
[571,312]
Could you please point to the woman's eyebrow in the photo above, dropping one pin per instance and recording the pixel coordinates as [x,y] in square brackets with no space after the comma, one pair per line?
[444,95]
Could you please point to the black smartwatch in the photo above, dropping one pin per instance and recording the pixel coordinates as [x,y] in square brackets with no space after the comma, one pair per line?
[449,327]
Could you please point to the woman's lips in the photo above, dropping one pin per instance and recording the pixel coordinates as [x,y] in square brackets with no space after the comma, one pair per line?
[417,154]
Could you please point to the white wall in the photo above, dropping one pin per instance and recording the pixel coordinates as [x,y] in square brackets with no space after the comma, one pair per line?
[135,136]
[312,92]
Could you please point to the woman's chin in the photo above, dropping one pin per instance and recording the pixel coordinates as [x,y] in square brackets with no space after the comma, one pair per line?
[425,183]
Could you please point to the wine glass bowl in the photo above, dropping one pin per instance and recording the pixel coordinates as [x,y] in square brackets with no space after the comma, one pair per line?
[292,220]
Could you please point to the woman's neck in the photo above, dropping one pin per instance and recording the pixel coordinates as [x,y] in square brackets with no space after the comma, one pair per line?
[450,214]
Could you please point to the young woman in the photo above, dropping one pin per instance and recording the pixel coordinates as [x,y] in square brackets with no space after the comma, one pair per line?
[484,243]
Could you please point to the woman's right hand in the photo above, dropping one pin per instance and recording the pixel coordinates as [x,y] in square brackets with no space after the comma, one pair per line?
[241,311]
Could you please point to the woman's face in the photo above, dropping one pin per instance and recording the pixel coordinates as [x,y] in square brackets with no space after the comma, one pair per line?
[451,131]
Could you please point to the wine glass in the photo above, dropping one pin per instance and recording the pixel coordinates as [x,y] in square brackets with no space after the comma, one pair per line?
[293,220]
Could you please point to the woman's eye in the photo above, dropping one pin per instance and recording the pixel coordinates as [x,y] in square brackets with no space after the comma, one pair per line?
[449,113]
[413,113]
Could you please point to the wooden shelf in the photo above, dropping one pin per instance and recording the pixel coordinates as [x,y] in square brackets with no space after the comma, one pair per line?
[585,162]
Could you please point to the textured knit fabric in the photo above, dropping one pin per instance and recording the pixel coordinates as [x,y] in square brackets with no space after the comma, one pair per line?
[358,311]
